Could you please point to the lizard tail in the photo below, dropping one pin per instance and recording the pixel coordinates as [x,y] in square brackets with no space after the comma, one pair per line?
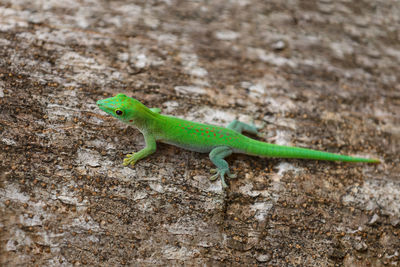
[263,149]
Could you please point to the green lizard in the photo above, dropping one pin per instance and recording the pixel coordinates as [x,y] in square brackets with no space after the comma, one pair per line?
[220,142]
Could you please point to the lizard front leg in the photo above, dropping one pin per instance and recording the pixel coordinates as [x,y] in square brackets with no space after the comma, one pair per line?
[149,149]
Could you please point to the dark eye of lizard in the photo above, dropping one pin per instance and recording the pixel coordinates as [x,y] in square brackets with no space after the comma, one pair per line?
[118,112]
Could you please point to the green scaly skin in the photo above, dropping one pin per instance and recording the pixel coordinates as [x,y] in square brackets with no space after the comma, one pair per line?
[220,142]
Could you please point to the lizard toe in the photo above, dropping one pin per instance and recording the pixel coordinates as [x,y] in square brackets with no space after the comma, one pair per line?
[214,177]
[126,163]
[220,173]
[224,185]
[213,170]
[129,160]
[232,175]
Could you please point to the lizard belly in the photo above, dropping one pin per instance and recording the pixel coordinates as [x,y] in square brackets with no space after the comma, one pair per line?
[191,147]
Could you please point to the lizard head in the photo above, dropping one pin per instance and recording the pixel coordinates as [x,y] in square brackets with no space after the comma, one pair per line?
[122,107]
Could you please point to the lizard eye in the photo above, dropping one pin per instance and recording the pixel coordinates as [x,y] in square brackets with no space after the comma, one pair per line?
[118,112]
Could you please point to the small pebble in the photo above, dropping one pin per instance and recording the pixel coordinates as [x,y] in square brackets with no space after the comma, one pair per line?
[263,257]
[279,45]
[374,219]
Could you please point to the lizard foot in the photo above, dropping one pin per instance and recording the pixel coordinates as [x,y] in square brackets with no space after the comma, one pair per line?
[221,173]
[129,159]
[261,135]
[257,127]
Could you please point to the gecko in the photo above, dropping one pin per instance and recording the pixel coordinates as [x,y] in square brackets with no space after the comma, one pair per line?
[219,142]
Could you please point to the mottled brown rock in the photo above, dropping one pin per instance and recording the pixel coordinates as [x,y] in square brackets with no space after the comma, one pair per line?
[321,74]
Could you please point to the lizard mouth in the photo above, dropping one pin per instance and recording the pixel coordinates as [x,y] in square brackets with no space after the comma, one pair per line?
[102,106]
[99,103]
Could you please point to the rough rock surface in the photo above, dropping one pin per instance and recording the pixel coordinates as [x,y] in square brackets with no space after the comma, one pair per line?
[321,74]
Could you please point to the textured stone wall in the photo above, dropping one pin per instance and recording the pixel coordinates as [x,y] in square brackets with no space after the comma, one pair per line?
[320,74]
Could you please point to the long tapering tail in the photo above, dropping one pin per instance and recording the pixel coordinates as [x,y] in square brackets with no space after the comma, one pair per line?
[263,149]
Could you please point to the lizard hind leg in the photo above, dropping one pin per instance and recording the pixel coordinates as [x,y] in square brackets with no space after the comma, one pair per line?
[240,127]
[217,156]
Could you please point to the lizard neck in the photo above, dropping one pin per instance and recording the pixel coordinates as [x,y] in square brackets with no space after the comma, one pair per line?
[144,119]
